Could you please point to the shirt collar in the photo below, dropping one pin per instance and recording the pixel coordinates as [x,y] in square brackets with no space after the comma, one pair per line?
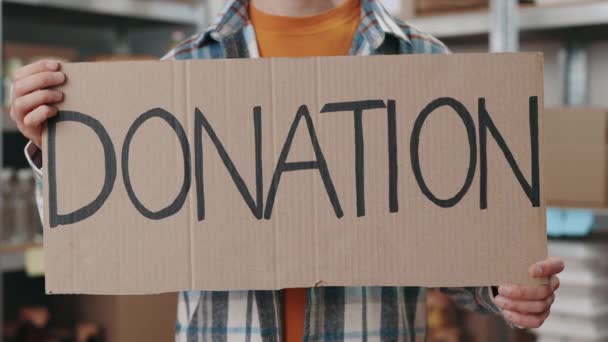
[376,22]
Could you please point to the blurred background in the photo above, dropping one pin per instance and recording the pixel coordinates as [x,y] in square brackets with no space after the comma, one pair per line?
[572,34]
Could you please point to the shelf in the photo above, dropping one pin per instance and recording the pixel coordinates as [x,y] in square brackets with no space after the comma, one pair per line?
[5,250]
[603,212]
[8,125]
[13,258]
[531,19]
[152,11]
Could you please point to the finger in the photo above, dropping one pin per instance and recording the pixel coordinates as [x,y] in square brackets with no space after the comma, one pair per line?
[525,306]
[533,292]
[24,104]
[36,67]
[554,283]
[34,134]
[37,139]
[526,321]
[39,115]
[24,130]
[547,267]
[36,82]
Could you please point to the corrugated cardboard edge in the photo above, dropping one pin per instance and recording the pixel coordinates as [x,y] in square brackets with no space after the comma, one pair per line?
[605,204]
[542,142]
[182,103]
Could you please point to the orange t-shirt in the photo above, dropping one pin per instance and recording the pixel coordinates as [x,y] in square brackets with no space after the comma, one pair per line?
[326,34]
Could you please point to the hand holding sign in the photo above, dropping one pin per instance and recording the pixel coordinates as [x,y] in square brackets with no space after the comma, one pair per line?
[529,306]
[32,101]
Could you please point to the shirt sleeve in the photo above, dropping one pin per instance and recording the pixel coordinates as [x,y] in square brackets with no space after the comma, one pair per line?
[476,299]
[34,158]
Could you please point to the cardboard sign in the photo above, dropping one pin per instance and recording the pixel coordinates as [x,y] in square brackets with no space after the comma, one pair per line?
[275,173]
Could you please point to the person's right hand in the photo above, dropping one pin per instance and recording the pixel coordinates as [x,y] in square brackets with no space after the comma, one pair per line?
[32,102]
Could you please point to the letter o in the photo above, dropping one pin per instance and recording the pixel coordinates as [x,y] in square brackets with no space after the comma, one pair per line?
[467,120]
[177,204]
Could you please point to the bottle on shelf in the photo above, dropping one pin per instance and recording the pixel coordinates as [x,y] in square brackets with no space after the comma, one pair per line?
[26,218]
[12,64]
[176,37]
[7,214]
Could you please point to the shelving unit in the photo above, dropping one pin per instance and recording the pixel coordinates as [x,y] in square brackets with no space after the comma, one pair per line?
[125,318]
[152,11]
[580,311]
[579,27]
[12,258]
[120,16]
[12,261]
[8,125]
[531,18]
[573,25]
[93,27]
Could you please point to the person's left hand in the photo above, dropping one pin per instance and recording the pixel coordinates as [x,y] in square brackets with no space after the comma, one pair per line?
[529,306]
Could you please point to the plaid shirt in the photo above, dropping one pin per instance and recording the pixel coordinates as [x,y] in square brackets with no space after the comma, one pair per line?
[332,314]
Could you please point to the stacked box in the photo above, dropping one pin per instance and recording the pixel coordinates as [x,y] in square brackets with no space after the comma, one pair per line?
[580,311]
[575,157]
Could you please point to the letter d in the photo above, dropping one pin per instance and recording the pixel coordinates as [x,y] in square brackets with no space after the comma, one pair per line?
[57,219]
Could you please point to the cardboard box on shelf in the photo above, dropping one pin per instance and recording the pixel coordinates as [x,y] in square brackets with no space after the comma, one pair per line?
[404,9]
[427,7]
[122,58]
[432,7]
[186,2]
[31,52]
[127,318]
[575,157]
[330,171]
[18,54]
[408,9]
[558,2]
